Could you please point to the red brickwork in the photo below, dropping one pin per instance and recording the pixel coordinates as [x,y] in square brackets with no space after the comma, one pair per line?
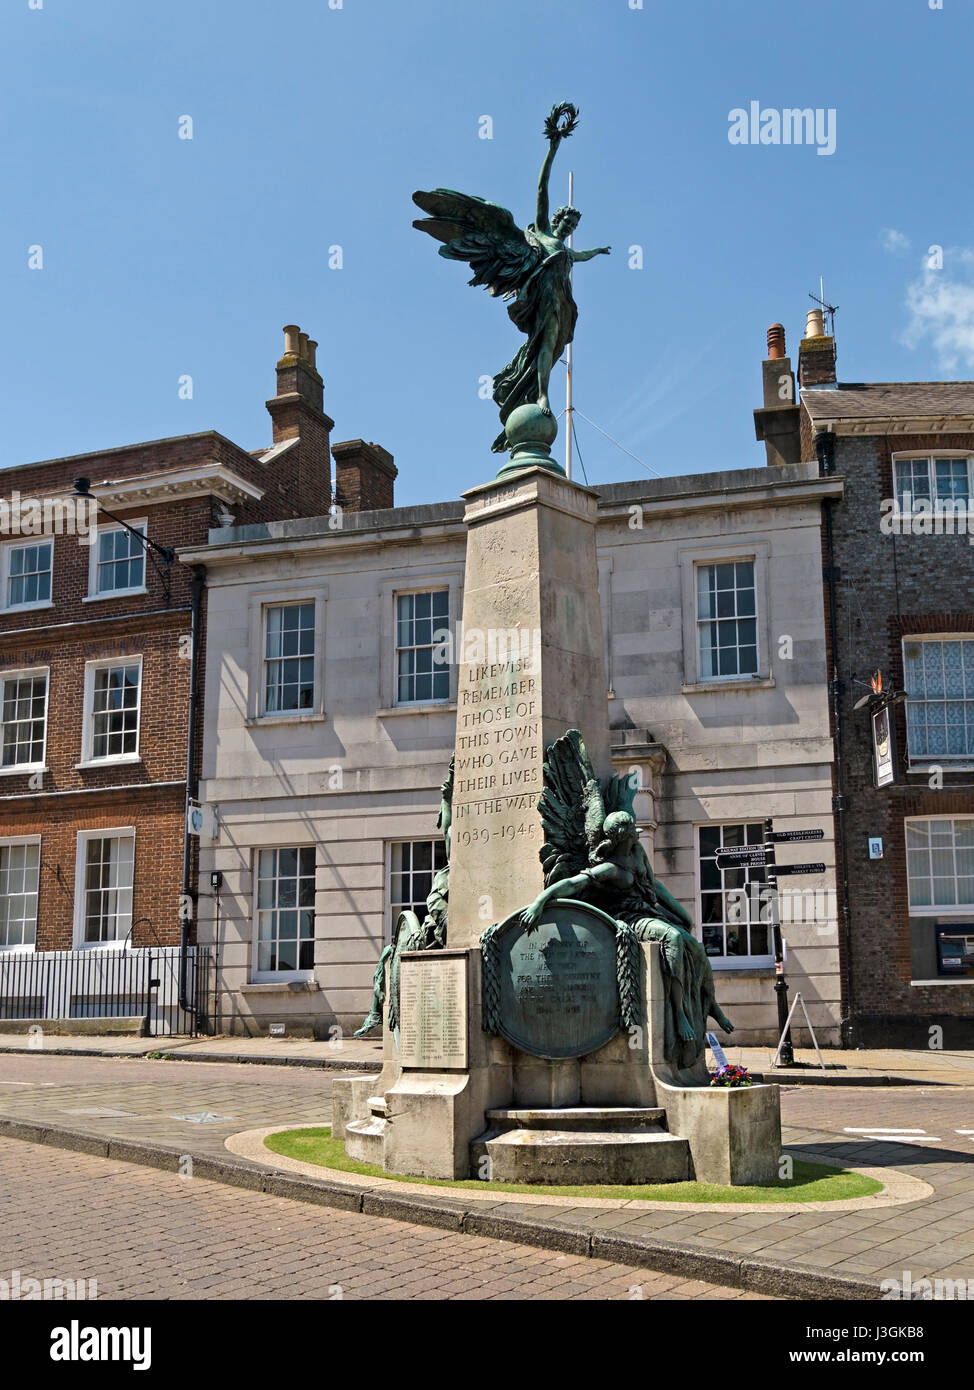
[148,794]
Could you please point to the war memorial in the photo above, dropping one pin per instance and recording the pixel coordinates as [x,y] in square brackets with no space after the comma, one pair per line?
[547,1022]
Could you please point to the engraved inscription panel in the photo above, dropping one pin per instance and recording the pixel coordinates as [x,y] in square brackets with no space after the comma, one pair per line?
[433,1010]
[498,749]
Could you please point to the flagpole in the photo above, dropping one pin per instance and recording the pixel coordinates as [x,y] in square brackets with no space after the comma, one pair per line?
[568,357]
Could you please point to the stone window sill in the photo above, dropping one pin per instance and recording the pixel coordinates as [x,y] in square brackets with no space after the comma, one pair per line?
[89,764]
[280,987]
[23,770]
[113,593]
[258,721]
[752,683]
[416,709]
[17,608]
[743,972]
[923,769]
[968,981]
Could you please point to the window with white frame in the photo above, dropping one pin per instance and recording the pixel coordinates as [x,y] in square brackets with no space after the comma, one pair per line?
[20,868]
[939,679]
[103,896]
[727,636]
[289,658]
[731,903]
[24,719]
[413,864]
[113,699]
[933,483]
[118,560]
[422,620]
[940,863]
[285,910]
[26,574]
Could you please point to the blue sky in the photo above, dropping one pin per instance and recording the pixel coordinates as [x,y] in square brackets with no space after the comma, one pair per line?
[312,126]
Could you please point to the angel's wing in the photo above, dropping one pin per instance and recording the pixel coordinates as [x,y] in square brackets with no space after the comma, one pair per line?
[571,809]
[481,233]
[618,794]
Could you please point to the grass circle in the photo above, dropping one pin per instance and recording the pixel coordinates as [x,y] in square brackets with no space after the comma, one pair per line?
[810,1182]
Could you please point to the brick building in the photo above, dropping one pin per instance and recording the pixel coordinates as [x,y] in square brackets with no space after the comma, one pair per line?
[96,670]
[899,600]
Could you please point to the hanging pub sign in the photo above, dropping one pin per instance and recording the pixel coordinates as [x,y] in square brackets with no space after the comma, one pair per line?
[884,762]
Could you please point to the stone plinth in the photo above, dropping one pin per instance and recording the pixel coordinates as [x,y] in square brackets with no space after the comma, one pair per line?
[734,1133]
[531,666]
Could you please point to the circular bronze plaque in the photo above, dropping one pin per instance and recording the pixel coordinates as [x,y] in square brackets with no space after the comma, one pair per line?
[559,995]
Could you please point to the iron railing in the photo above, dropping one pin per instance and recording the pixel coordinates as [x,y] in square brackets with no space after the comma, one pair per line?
[109,983]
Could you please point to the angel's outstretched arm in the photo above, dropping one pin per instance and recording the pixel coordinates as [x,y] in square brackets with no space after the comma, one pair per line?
[587,255]
[568,888]
[541,216]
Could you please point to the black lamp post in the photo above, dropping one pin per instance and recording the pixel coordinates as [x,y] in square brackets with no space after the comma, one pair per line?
[82,488]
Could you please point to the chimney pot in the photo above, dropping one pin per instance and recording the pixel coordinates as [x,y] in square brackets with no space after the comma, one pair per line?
[303,346]
[776,341]
[312,350]
[815,324]
[291,334]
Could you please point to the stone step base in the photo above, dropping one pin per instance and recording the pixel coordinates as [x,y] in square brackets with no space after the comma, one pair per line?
[575,1157]
[579,1118]
[364,1139]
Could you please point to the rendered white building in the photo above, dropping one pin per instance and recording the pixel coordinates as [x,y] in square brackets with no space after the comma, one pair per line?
[330,723]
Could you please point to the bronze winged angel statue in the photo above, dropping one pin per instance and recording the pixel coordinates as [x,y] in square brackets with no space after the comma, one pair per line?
[592,851]
[532,268]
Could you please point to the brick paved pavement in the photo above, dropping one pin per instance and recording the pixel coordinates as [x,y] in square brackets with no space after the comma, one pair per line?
[144,1234]
[932,1238]
[864,1065]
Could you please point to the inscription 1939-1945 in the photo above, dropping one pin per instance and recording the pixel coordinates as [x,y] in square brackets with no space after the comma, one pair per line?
[499,754]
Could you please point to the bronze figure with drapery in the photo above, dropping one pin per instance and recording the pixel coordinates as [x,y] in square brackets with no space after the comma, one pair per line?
[592,852]
[531,269]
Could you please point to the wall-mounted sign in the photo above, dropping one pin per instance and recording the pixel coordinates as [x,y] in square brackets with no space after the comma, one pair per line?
[875,847]
[201,821]
[884,763]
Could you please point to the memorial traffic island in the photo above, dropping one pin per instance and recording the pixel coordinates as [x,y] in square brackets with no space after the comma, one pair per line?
[453,1104]
[546,1042]
[547,1022]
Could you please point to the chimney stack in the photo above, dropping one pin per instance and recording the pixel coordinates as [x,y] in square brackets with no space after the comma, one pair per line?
[816,354]
[297,413]
[364,476]
[777,422]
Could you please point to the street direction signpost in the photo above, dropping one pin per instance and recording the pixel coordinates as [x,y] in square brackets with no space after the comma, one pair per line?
[763,857]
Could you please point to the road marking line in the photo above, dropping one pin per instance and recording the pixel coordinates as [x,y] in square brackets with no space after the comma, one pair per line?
[858,1129]
[903,1138]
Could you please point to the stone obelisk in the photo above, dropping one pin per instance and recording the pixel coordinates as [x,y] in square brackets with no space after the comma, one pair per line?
[532,665]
